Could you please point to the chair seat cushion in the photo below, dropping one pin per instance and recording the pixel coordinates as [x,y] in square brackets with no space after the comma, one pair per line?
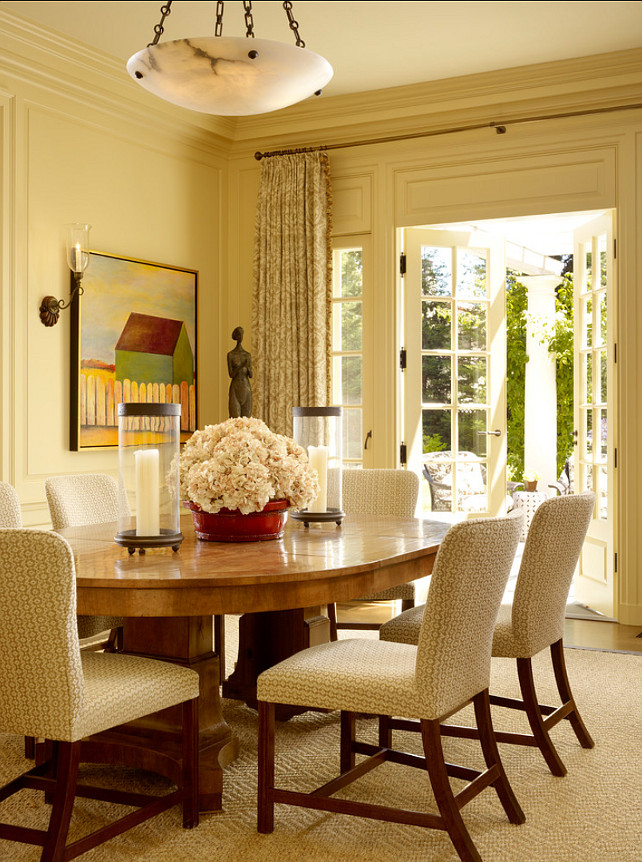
[404,628]
[120,688]
[507,643]
[358,675]
[402,591]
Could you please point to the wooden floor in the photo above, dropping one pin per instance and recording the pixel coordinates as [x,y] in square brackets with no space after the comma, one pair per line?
[584,633]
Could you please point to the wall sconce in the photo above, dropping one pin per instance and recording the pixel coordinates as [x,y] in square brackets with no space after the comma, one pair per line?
[78,260]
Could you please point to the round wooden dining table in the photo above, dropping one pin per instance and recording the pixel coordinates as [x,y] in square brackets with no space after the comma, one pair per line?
[281,588]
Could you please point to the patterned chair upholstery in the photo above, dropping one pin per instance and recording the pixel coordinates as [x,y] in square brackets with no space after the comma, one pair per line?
[448,668]
[10,515]
[52,690]
[379,492]
[534,621]
[77,501]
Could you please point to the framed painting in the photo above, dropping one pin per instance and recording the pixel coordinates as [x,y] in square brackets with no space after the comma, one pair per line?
[133,338]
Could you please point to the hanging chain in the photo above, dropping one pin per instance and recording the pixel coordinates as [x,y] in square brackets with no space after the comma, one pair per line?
[218,31]
[249,21]
[159,29]
[294,25]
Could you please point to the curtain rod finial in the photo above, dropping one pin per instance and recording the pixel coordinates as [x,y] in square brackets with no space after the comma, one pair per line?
[258,156]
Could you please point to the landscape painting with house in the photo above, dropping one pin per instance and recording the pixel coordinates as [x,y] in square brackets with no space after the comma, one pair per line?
[136,341]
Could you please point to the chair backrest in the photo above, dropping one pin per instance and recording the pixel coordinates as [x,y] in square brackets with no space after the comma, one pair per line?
[10,515]
[41,679]
[552,549]
[75,501]
[380,492]
[468,581]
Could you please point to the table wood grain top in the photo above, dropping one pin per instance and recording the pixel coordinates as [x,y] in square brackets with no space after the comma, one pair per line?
[313,565]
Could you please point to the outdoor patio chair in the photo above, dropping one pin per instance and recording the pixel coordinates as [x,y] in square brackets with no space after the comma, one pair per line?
[564,484]
[533,622]
[448,669]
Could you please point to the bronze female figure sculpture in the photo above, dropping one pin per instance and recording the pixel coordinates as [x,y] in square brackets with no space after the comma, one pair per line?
[239,366]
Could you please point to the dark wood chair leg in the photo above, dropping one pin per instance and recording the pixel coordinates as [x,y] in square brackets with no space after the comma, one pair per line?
[66,757]
[190,764]
[219,645]
[30,747]
[534,715]
[448,808]
[564,688]
[406,604]
[332,616]
[265,818]
[348,733]
[491,756]
[385,731]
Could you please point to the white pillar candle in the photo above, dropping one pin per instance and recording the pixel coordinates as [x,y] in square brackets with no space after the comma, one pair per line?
[318,457]
[147,493]
[77,258]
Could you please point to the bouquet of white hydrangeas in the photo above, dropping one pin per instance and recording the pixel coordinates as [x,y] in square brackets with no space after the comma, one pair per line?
[241,464]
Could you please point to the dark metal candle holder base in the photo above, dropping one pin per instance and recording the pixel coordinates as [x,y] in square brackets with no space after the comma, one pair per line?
[128,539]
[335,515]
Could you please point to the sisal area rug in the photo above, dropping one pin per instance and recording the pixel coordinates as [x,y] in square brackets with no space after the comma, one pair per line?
[591,815]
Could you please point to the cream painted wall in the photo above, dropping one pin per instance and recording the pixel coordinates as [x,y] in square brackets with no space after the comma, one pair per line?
[152,186]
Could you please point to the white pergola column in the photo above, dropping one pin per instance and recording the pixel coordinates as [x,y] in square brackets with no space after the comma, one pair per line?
[540,402]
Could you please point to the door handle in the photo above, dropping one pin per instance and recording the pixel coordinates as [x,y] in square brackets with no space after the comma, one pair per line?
[368,437]
[496,433]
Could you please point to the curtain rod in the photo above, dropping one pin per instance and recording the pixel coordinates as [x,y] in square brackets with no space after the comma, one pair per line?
[500,128]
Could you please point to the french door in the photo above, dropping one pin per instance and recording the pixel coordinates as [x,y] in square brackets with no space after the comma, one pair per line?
[594,461]
[454,392]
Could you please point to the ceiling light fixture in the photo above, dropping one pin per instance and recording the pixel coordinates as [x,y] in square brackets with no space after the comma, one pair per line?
[230,76]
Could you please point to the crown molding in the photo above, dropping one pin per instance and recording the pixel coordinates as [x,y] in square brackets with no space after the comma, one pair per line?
[601,80]
[39,57]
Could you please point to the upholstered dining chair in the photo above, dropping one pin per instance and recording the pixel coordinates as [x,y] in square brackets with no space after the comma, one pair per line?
[378,492]
[533,622]
[52,690]
[77,501]
[10,515]
[449,668]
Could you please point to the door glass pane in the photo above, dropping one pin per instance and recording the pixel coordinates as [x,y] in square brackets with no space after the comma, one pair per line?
[348,370]
[352,433]
[436,380]
[471,325]
[587,471]
[470,423]
[471,480]
[436,427]
[472,379]
[588,263]
[602,307]
[589,431]
[351,272]
[471,274]
[351,324]
[603,433]
[436,324]
[602,394]
[601,246]
[439,472]
[436,271]
[588,378]
[587,305]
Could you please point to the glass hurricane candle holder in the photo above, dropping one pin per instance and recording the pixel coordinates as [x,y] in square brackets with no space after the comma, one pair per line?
[148,454]
[318,431]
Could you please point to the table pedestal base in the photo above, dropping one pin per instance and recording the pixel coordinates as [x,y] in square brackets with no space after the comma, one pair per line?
[266,639]
[154,742]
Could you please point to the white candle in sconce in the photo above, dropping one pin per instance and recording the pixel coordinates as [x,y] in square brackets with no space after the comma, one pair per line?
[318,457]
[147,493]
[77,258]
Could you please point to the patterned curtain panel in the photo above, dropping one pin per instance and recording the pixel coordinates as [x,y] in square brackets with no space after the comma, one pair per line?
[292,302]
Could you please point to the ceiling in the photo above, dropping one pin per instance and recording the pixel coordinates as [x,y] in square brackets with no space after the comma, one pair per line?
[370,45]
